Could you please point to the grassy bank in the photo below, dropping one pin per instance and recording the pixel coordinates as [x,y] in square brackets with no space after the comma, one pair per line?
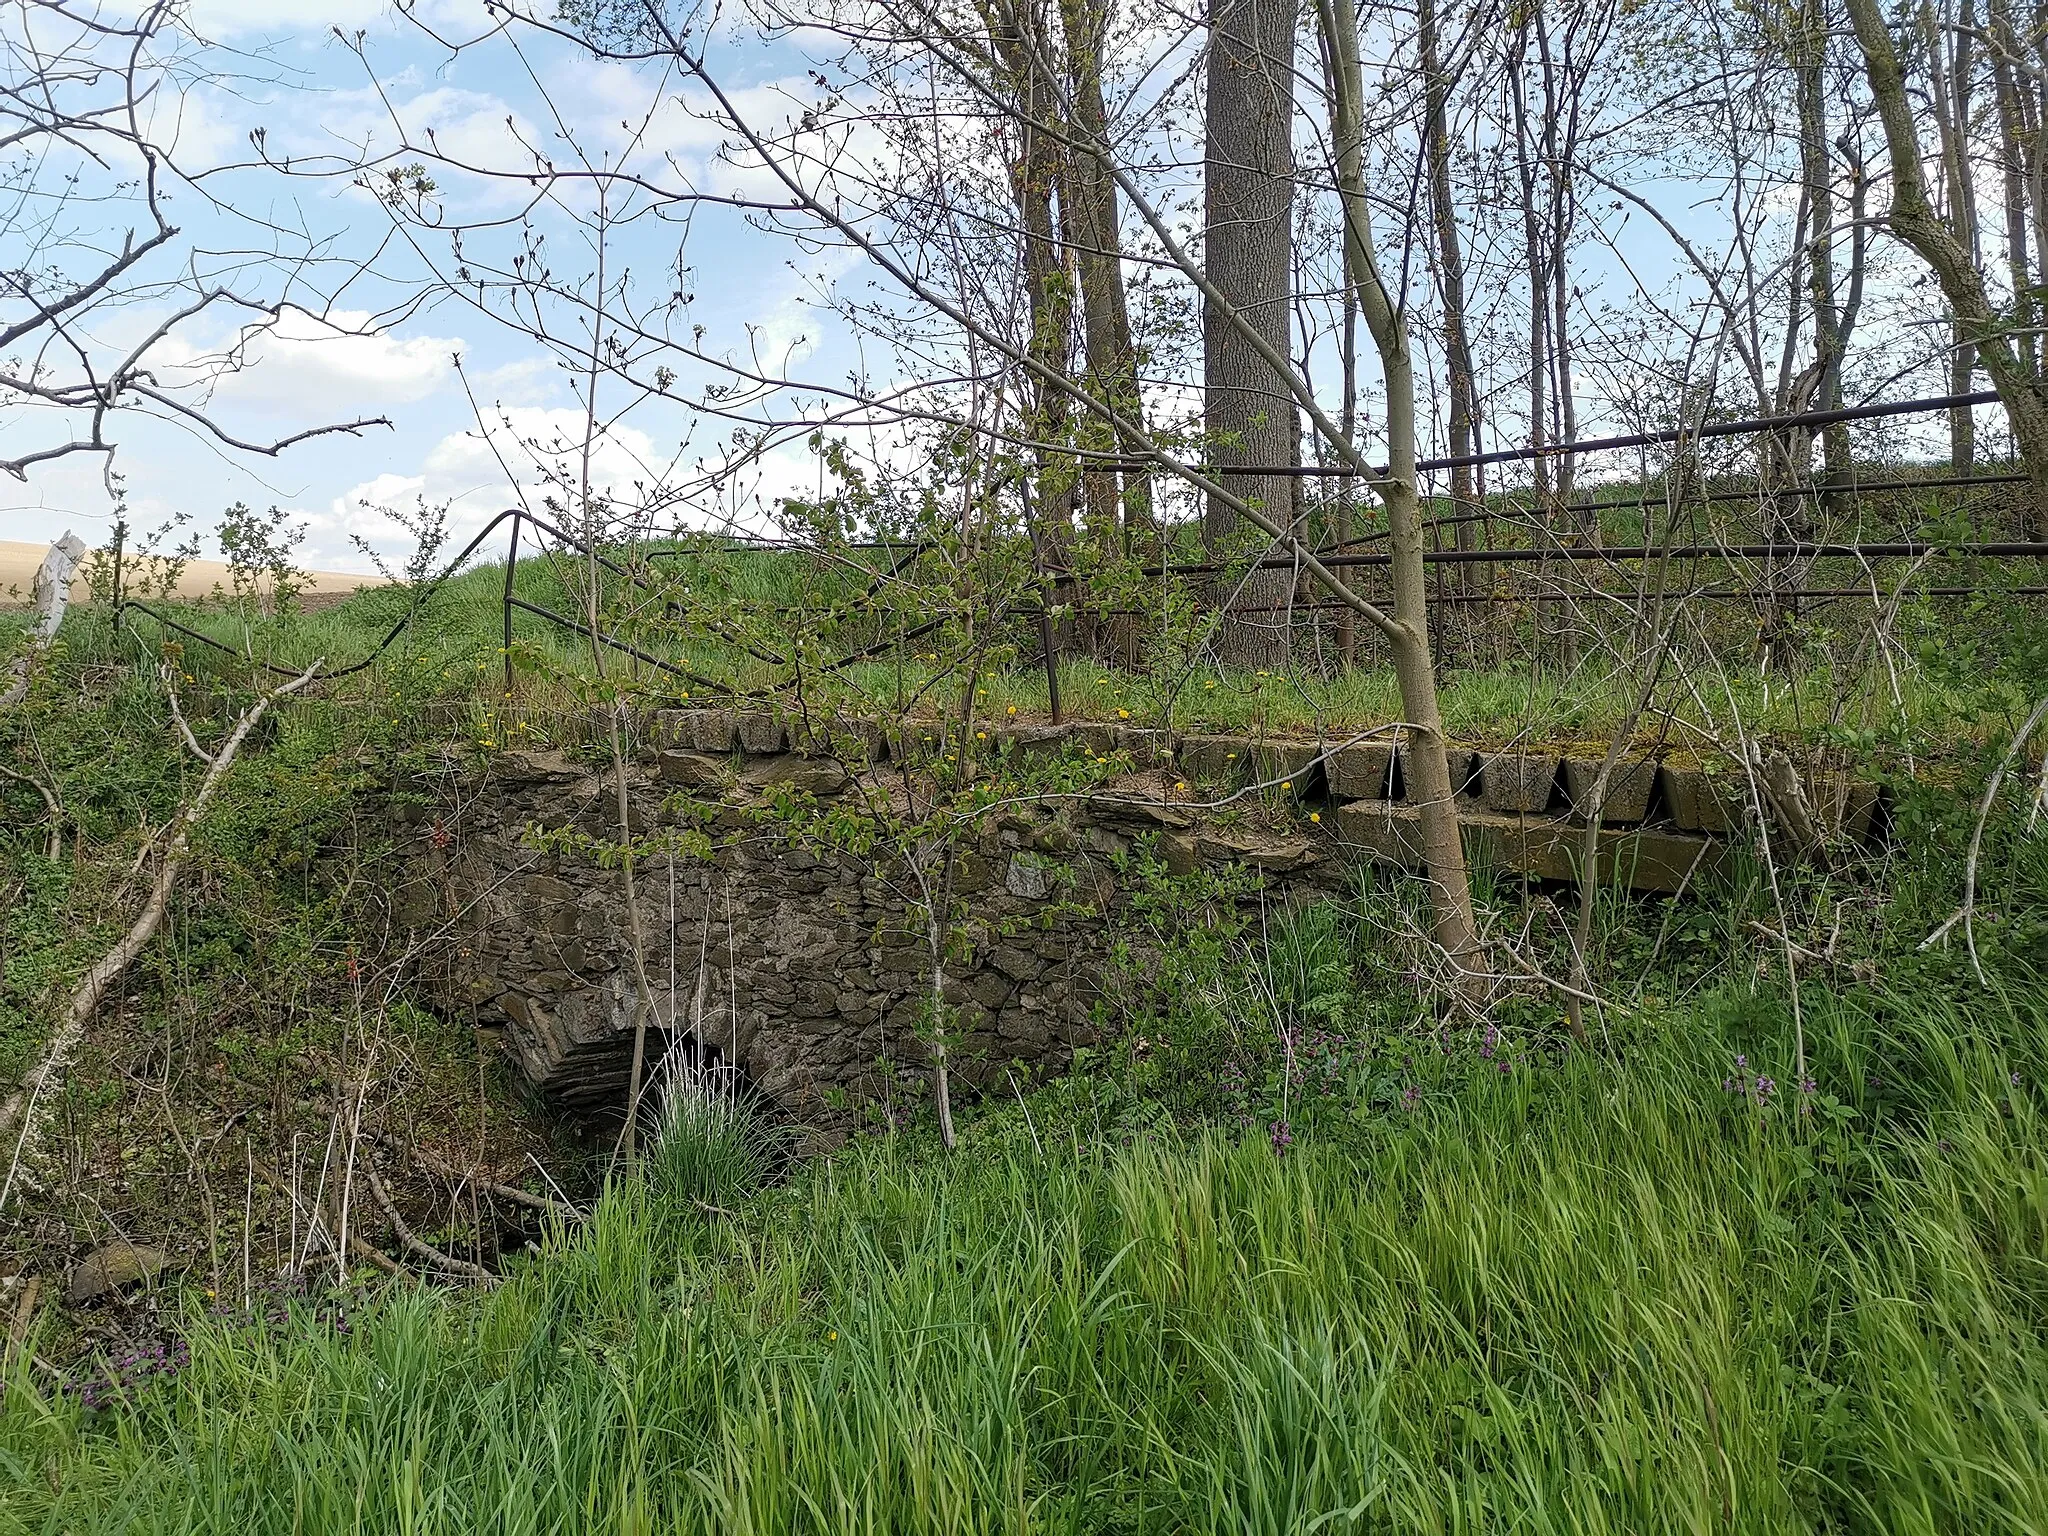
[449,666]
[1663,1286]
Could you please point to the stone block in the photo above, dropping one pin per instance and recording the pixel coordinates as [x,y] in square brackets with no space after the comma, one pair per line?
[1629,789]
[1517,782]
[1702,802]
[711,730]
[1097,838]
[1362,771]
[1216,760]
[415,904]
[693,770]
[1140,815]
[1289,767]
[821,777]
[759,732]
[113,1268]
[1029,877]
[1017,964]
[990,988]
[1177,851]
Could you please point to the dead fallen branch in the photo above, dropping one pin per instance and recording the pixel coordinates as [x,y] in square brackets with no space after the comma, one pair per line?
[54,844]
[413,1243]
[20,1108]
[477,1181]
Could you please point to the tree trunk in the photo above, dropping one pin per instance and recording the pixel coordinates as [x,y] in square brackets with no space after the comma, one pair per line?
[1443,849]
[2012,138]
[1914,221]
[1249,411]
[1098,254]
[1450,269]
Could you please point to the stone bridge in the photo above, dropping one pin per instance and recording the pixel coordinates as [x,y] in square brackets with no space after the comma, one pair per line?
[811,969]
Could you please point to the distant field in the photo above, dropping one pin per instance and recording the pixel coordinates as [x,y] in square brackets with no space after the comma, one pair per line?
[18,563]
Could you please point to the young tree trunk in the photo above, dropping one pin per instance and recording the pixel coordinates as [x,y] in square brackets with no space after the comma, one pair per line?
[1914,221]
[2012,139]
[1950,72]
[1443,848]
[1098,254]
[1450,268]
[1249,410]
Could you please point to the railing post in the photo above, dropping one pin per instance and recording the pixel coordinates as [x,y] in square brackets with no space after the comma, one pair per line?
[511,564]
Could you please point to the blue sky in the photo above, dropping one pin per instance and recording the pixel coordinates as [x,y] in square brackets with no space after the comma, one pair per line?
[313,97]
[464,438]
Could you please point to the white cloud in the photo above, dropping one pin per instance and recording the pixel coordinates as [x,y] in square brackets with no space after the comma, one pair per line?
[318,368]
[530,456]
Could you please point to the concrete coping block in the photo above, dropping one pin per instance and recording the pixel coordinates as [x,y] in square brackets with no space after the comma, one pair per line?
[1149,748]
[1290,767]
[1641,859]
[711,730]
[1094,739]
[1518,783]
[760,732]
[1703,802]
[1860,809]
[1464,769]
[1629,789]
[1363,771]
[1217,759]
[1031,739]
[848,738]
[672,729]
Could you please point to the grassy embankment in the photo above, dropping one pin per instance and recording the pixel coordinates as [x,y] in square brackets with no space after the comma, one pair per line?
[1914,694]
[1483,1288]
[1287,1256]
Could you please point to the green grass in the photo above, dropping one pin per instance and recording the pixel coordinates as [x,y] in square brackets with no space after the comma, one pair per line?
[449,668]
[1597,1295]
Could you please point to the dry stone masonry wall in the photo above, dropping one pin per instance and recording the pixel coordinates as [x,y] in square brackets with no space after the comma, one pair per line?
[812,969]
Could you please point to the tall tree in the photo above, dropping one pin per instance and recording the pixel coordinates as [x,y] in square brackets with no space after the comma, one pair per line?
[1949,255]
[1093,227]
[1248,225]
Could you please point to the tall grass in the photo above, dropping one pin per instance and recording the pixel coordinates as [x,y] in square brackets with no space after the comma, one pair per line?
[452,657]
[1606,1295]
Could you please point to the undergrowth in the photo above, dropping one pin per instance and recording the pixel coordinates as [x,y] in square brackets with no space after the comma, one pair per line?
[1290,1255]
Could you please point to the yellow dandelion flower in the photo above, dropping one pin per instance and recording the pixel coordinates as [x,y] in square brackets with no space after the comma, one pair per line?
[1123,714]
[1287,783]
[1315,815]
